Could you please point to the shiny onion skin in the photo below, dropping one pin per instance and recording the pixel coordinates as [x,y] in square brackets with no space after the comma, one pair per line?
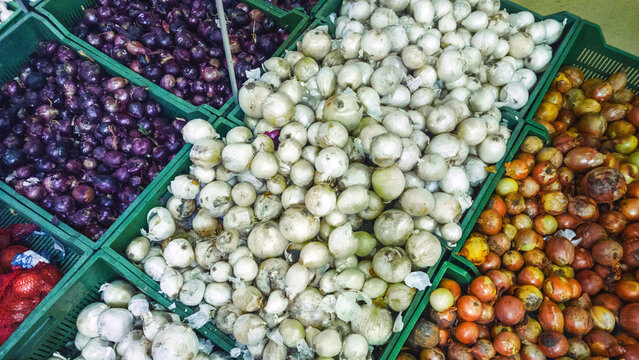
[553,344]
[560,250]
[583,158]
[582,260]
[509,310]
[604,185]
[602,343]
[577,321]
[629,319]
[550,316]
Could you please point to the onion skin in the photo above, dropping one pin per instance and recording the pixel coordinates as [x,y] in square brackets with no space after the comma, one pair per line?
[483,350]
[553,344]
[613,221]
[629,319]
[632,352]
[457,351]
[483,288]
[501,280]
[507,343]
[583,158]
[509,310]
[487,314]
[536,258]
[631,253]
[631,232]
[560,250]
[607,252]
[627,290]
[603,344]
[609,301]
[583,301]
[550,316]
[492,262]
[577,321]
[583,208]
[529,331]
[498,244]
[583,259]
[590,234]
[630,209]
[591,282]
[604,185]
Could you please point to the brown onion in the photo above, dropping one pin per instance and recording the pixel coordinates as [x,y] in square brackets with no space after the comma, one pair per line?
[550,316]
[592,123]
[531,275]
[487,314]
[432,354]
[469,308]
[498,243]
[607,252]
[557,288]
[583,208]
[526,240]
[483,288]
[444,337]
[492,262]
[623,96]
[631,232]
[528,187]
[452,286]
[631,253]
[560,250]
[457,351]
[509,310]
[567,221]
[629,319]
[575,286]
[591,282]
[501,280]
[583,259]
[610,276]
[489,222]
[528,330]
[544,173]
[609,301]
[602,318]
[574,75]
[512,260]
[565,142]
[633,190]
[618,80]
[483,350]
[578,349]
[467,332]
[536,258]
[627,290]
[550,154]
[532,207]
[554,202]
[553,344]
[444,319]
[604,185]
[590,234]
[507,343]
[601,92]
[531,352]
[424,335]
[577,321]
[630,208]
[632,352]
[603,344]
[515,203]
[583,158]
[613,221]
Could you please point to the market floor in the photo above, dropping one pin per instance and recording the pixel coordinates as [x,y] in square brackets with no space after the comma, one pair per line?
[617,18]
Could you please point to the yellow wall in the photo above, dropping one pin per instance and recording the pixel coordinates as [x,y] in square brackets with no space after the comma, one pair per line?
[619,19]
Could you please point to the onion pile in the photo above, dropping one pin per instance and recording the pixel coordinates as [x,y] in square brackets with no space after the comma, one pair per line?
[79,143]
[178,45]
[291,244]
[556,244]
[125,325]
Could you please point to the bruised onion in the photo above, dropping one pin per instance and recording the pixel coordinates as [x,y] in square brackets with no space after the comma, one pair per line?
[553,344]
[560,250]
[604,185]
[602,343]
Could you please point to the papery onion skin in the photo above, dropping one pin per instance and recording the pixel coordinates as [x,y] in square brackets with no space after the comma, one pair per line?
[604,185]
[603,344]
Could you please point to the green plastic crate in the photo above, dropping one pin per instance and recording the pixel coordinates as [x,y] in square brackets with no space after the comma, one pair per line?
[596,58]
[447,271]
[64,13]
[49,241]
[565,42]
[528,130]
[55,329]
[17,12]
[16,45]
[116,247]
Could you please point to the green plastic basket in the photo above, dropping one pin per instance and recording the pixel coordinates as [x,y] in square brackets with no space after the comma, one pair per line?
[596,58]
[117,244]
[55,329]
[16,45]
[49,241]
[17,12]
[64,13]
[447,271]
[565,42]
[528,130]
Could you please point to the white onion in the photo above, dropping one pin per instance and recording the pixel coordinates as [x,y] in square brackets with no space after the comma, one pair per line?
[375,45]
[432,167]
[388,182]
[514,95]
[423,11]
[386,149]
[397,36]
[455,182]
[492,149]
[472,131]
[485,41]
[521,19]
[553,30]
[343,108]
[349,76]
[252,96]
[520,45]
[423,249]
[475,21]
[386,79]
[450,65]
[446,209]
[539,59]
[316,43]
[442,119]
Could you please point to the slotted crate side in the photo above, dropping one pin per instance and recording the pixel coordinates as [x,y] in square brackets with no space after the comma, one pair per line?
[116,245]
[50,242]
[528,130]
[16,45]
[447,271]
[64,13]
[55,330]
[596,58]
